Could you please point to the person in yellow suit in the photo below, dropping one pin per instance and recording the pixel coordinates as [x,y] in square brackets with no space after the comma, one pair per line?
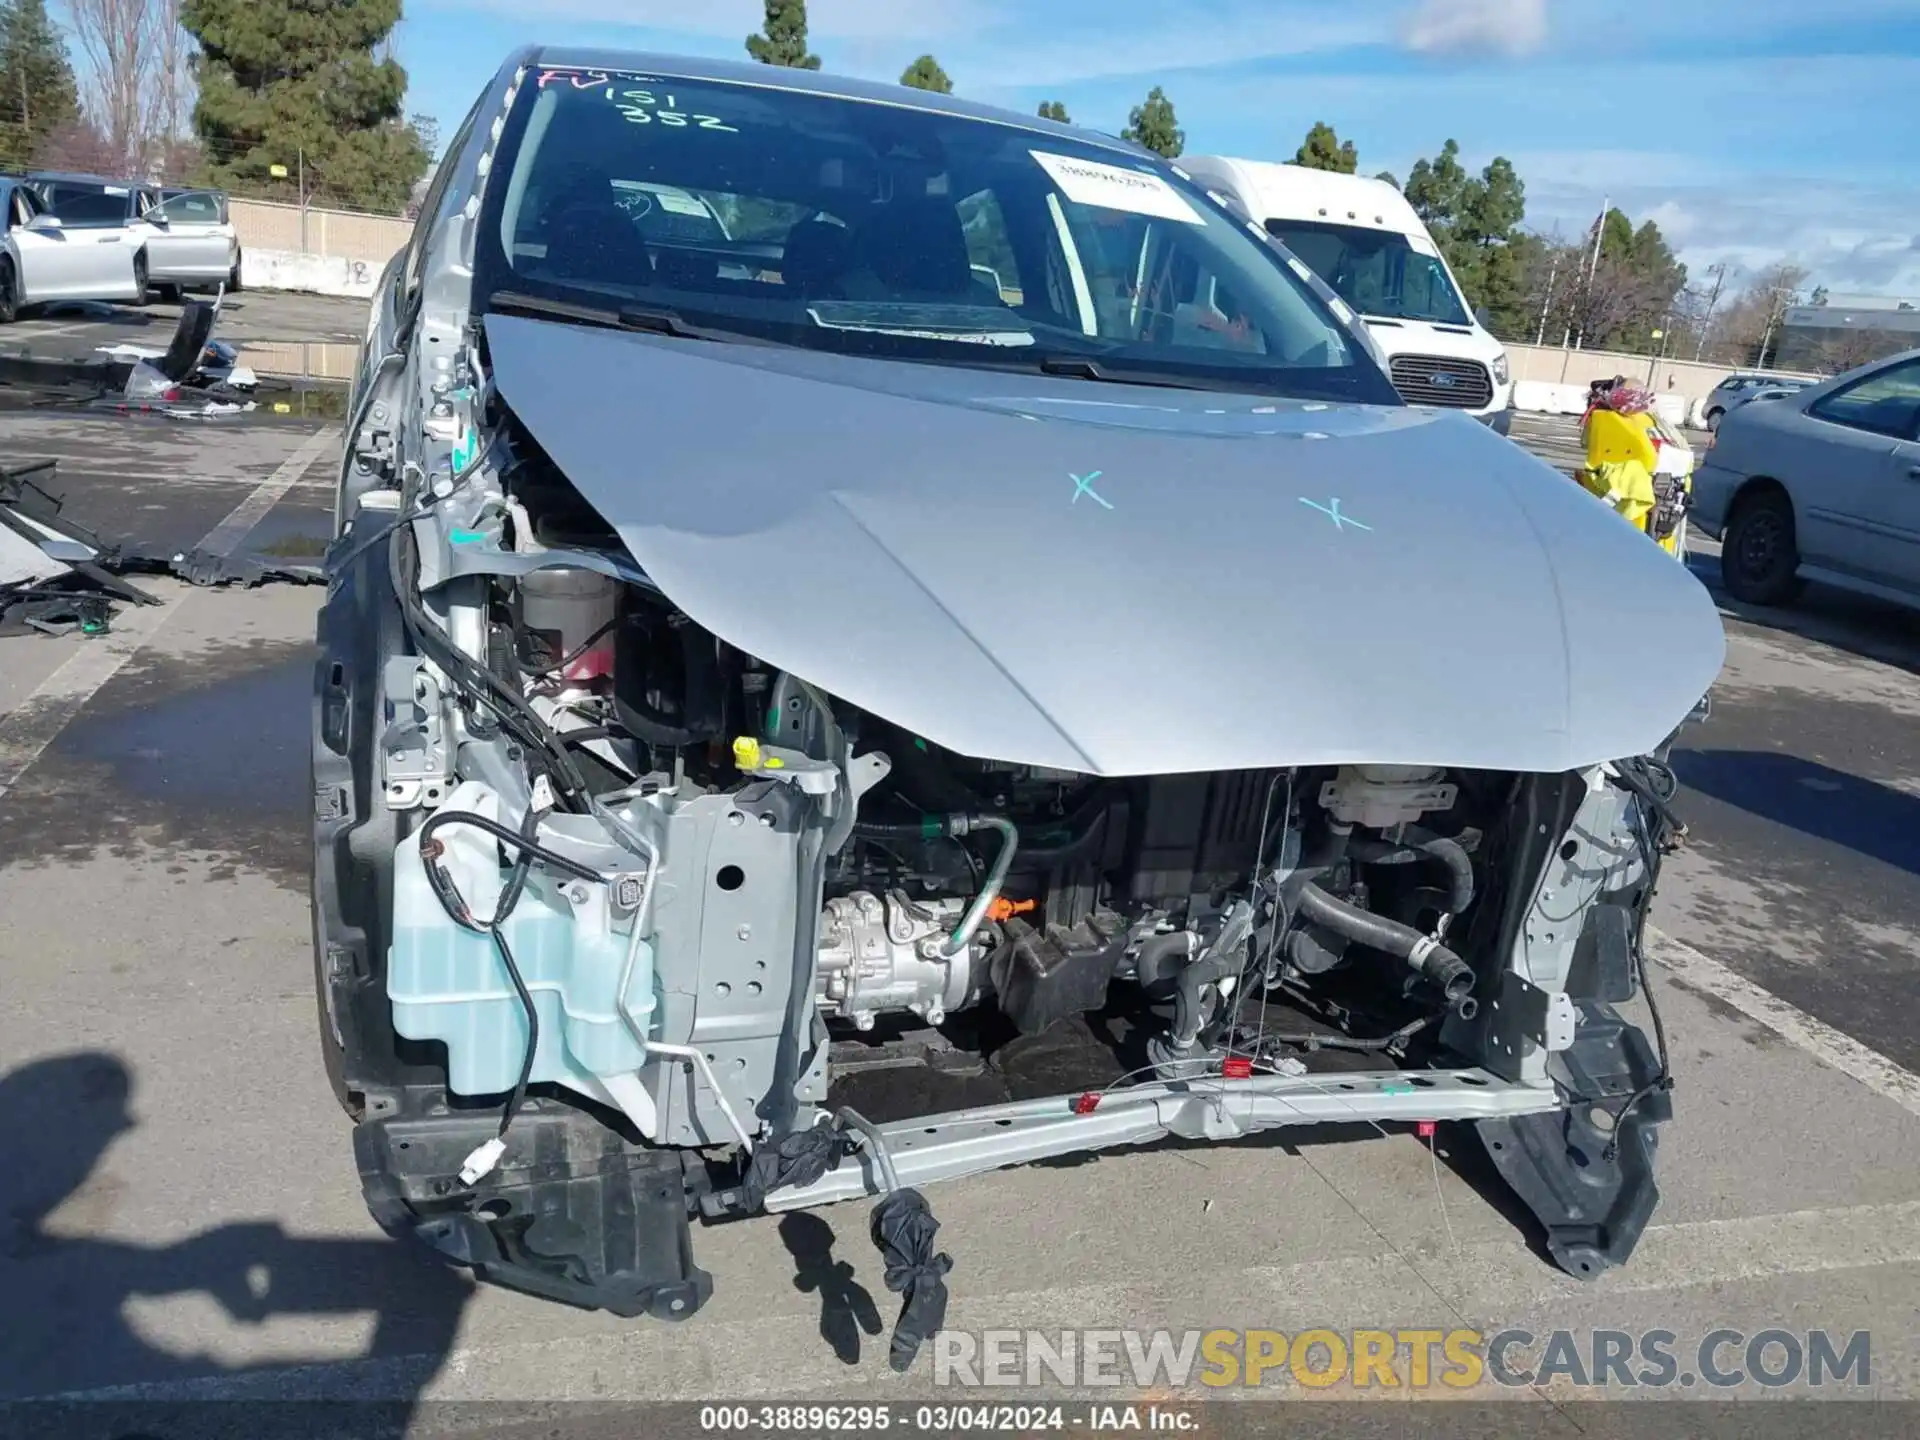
[1618,431]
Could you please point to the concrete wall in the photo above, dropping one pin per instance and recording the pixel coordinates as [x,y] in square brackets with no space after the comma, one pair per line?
[339,234]
[1551,364]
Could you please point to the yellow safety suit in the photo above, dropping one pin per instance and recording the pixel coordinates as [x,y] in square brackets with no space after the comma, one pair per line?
[1620,462]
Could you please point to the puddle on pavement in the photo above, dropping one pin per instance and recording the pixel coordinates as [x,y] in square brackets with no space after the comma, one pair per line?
[203,753]
[299,533]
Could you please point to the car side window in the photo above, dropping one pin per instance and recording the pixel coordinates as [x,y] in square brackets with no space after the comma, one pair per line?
[195,209]
[1884,403]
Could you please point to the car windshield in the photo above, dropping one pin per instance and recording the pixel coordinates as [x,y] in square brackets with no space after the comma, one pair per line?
[87,204]
[885,229]
[1377,272]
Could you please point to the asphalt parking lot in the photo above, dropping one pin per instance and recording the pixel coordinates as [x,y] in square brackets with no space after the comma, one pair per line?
[181,1210]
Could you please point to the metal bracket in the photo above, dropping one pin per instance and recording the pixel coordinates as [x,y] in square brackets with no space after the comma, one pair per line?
[1523,1012]
[416,768]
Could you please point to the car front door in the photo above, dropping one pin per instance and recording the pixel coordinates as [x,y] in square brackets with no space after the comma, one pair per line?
[1861,504]
[186,240]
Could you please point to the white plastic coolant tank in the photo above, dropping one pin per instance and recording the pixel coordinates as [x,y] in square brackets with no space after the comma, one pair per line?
[1382,796]
[448,983]
[570,606]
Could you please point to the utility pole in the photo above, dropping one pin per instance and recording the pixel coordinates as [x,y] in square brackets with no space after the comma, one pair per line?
[1706,320]
[1775,311]
[300,162]
[1593,266]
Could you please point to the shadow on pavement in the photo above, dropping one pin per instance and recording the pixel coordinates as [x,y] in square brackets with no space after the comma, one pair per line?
[846,1306]
[1867,817]
[1857,624]
[65,1327]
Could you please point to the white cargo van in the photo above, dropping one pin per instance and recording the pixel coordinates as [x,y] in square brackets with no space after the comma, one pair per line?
[1362,238]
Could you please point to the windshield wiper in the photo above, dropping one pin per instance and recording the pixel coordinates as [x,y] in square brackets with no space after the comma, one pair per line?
[1082,367]
[652,319]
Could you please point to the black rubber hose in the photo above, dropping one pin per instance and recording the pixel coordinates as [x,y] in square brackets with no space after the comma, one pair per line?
[1189,994]
[1150,964]
[1431,959]
[1418,844]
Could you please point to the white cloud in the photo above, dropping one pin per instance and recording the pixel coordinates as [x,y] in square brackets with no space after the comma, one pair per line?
[1503,27]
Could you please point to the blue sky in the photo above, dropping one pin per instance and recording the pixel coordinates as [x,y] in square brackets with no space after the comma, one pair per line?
[1750,130]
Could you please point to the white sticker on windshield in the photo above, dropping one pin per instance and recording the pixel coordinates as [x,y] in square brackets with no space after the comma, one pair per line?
[1113,187]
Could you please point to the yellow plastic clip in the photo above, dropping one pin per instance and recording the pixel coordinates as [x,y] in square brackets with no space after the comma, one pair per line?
[746,752]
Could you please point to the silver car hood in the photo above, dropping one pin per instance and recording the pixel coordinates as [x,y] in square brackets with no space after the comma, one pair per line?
[1122,580]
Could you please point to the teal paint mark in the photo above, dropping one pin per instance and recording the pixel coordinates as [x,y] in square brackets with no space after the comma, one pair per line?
[1398,1087]
[1332,512]
[1083,485]
[467,537]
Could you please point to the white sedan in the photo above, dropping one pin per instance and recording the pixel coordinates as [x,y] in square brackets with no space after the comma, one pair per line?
[42,259]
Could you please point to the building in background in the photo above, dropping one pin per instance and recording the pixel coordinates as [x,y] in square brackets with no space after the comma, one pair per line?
[1848,330]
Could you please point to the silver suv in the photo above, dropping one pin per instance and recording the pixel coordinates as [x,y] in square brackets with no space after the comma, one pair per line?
[771,673]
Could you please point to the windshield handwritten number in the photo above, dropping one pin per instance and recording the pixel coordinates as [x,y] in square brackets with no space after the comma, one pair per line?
[640,107]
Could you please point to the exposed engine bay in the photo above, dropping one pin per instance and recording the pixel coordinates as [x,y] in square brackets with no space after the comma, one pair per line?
[618,924]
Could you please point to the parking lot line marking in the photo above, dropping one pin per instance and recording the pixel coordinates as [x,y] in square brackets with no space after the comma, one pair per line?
[249,512]
[778,1353]
[1789,1022]
[27,730]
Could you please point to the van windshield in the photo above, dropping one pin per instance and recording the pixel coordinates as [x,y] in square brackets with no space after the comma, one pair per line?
[889,230]
[1375,271]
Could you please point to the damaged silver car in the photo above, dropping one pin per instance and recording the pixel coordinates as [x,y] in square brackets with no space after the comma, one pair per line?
[873,639]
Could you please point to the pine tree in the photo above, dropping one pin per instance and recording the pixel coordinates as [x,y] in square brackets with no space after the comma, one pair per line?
[1055,110]
[926,74]
[294,84]
[1323,149]
[1152,124]
[38,96]
[784,41]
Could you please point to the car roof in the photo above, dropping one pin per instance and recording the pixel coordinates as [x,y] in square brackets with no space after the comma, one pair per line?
[70,177]
[816,82]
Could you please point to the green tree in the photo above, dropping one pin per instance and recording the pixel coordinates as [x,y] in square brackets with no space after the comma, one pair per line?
[926,74]
[1324,150]
[1054,110]
[783,40]
[1389,178]
[1475,220]
[294,84]
[38,96]
[1151,124]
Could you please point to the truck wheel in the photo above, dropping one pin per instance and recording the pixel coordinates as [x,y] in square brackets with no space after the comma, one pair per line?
[1759,559]
[9,293]
[141,294]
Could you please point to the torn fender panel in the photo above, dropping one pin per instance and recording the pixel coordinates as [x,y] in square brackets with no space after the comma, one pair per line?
[1122,580]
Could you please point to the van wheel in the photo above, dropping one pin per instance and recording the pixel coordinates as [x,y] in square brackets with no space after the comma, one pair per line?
[141,294]
[233,277]
[9,293]
[1759,558]
[1713,421]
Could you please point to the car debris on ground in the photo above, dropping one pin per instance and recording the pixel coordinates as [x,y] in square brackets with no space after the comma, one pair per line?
[194,378]
[56,576]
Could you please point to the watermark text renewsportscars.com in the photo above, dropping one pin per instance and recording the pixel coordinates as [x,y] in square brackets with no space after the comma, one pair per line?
[1405,1359]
